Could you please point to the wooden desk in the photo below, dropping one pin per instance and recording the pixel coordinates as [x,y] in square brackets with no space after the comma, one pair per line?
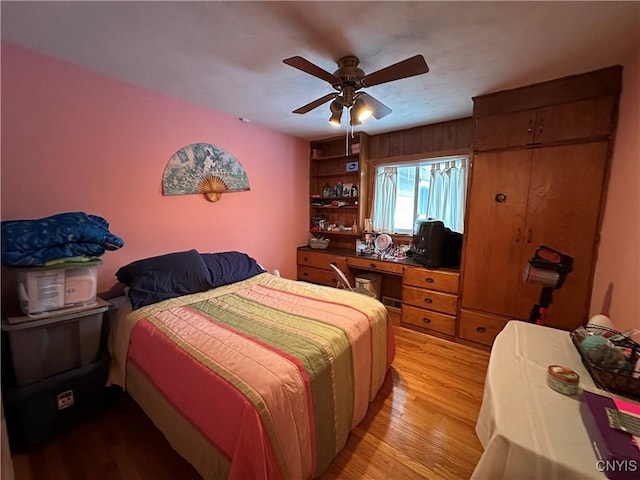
[429,297]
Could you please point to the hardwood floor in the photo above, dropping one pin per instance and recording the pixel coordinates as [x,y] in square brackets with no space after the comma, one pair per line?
[420,426]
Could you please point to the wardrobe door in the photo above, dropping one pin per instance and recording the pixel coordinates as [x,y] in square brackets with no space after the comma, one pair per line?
[495,231]
[565,195]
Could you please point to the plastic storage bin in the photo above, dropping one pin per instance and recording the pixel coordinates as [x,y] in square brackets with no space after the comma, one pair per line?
[371,282]
[41,348]
[46,289]
[38,412]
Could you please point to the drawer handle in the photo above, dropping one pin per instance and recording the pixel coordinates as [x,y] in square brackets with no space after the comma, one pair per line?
[306,259]
[481,329]
[429,280]
[372,265]
[428,300]
[305,274]
[426,320]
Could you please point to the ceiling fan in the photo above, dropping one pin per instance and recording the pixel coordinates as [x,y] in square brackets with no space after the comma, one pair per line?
[348,81]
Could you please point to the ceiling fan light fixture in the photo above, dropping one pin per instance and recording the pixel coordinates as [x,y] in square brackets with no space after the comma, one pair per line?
[354,120]
[336,112]
[360,112]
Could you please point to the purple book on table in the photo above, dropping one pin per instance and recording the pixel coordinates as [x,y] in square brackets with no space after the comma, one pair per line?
[618,456]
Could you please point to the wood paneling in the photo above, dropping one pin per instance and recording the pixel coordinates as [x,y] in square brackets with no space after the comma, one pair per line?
[607,81]
[421,425]
[427,140]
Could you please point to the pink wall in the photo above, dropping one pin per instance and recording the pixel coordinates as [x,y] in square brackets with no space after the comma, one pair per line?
[73,140]
[616,289]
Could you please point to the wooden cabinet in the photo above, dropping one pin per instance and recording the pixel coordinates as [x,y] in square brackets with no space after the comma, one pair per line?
[336,187]
[313,266]
[479,327]
[375,265]
[430,300]
[545,187]
[519,201]
[586,119]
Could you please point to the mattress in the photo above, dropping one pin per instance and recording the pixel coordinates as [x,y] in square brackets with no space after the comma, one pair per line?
[261,379]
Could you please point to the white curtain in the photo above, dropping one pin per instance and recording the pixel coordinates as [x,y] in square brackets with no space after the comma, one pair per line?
[447,193]
[384,207]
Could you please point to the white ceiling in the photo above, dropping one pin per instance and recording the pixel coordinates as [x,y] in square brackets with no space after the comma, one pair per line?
[228,55]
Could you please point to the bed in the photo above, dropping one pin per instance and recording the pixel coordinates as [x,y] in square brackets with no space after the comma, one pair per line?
[262,378]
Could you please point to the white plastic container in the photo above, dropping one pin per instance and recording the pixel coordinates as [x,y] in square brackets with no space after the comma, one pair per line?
[46,289]
[41,348]
[371,282]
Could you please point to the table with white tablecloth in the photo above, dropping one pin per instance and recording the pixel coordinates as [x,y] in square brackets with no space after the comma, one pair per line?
[528,430]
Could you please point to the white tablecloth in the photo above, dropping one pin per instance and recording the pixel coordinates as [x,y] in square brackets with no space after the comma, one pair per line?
[528,430]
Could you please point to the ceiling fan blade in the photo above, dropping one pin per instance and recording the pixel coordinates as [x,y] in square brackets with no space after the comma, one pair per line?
[308,67]
[378,109]
[316,103]
[406,68]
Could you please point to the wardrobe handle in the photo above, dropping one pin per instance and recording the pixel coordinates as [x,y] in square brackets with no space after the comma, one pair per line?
[518,235]
[530,129]
[529,235]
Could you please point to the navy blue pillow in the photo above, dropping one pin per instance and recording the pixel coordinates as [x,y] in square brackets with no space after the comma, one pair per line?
[230,267]
[153,279]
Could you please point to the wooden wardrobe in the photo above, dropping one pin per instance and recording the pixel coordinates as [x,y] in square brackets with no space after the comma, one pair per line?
[539,176]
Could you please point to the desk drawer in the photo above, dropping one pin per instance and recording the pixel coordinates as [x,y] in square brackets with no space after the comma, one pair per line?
[320,260]
[480,327]
[432,279]
[375,265]
[419,297]
[421,317]
[316,275]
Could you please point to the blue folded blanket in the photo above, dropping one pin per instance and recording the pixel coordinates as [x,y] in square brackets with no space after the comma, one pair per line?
[66,235]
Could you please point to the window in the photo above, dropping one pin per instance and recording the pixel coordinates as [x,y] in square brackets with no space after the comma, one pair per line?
[429,188]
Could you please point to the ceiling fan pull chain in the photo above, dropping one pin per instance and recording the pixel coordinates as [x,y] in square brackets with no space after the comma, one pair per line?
[346,142]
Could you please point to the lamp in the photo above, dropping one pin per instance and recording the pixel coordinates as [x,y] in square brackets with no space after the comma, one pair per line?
[336,111]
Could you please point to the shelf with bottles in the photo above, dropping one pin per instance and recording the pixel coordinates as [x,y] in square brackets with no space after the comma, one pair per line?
[334,202]
[327,175]
[343,233]
[341,190]
[334,224]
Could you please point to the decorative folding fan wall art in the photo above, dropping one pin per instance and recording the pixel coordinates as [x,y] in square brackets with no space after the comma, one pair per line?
[202,168]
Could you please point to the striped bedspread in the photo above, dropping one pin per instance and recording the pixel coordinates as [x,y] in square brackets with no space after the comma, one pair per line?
[271,373]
